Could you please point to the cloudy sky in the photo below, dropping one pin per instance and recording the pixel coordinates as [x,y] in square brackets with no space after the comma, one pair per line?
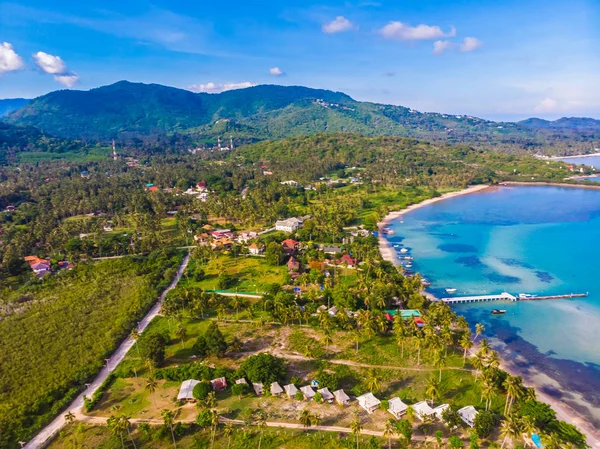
[496,59]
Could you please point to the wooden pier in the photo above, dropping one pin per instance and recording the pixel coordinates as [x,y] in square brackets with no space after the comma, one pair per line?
[504,296]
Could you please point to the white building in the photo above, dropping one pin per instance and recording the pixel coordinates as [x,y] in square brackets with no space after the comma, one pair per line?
[397,408]
[439,411]
[369,402]
[258,389]
[289,183]
[308,392]
[186,390]
[468,414]
[422,409]
[289,225]
[276,389]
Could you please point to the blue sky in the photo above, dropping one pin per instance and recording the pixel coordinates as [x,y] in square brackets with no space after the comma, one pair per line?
[495,59]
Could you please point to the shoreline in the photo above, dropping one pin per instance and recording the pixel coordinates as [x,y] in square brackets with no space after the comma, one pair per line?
[563,411]
[549,184]
[560,158]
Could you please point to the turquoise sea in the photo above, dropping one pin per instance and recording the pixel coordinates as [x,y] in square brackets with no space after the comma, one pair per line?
[537,240]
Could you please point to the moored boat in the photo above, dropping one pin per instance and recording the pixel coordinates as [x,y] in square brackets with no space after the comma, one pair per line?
[498,312]
[450,290]
[403,250]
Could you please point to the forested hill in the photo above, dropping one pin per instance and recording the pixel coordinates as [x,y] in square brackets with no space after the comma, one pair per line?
[9,105]
[127,111]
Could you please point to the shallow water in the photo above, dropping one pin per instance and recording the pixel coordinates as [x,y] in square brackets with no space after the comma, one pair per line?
[538,240]
[593,161]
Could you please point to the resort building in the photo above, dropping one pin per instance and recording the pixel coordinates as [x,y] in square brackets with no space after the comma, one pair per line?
[219,384]
[258,389]
[397,408]
[276,389]
[186,391]
[290,225]
[341,397]
[468,414]
[241,381]
[369,402]
[290,390]
[308,392]
[422,409]
[439,411]
[326,394]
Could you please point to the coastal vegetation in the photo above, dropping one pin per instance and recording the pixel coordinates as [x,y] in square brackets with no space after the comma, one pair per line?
[56,334]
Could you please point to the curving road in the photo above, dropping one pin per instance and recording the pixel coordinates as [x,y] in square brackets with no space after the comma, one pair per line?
[59,422]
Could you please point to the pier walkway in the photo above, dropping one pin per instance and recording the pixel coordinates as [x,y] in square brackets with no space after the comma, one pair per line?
[504,296]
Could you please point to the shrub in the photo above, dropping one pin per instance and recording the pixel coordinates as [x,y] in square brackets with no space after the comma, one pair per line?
[201,390]
[264,368]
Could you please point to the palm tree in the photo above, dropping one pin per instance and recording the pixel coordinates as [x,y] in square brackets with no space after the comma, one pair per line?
[327,339]
[512,428]
[261,422]
[373,380]
[236,303]
[315,419]
[487,391]
[440,361]
[356,427]
[151,386]
[514,390]
[305,418]
[125,424]
[389,430]
[214,421]
[552,441]
[479,329]
[69,417]
[135,335]
[466,344]
[433,388]
[228,432]
[168,419]
[181,333]
[116,428]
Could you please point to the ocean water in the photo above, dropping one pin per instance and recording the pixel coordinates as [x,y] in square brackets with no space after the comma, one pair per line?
[537,240]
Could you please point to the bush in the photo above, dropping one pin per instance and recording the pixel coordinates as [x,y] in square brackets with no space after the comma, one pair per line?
[455,442]
[263,368]
[318,398]
[152,347]
[204,418]
[299,396]
[201,390]
[225,281]
[240,389]
[484,423]
[211,343]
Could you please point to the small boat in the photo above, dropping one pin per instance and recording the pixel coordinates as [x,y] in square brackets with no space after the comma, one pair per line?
[403,250]
[425,282]
[407,258]
[450,290]
[408,265]
[526,296]
[396,246]
[498,312]
[391,232]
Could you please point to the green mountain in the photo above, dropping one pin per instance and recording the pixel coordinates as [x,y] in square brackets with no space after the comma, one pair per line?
[130,111]
[565,123]
[9,105]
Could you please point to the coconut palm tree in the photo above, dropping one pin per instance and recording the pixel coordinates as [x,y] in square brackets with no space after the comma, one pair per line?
[389,431]
[214,421]
[261,423]
[433,388]
[125,424]
[69,417]
[151,386]
[373,380]
[228,432]
[305,418]
[479,329]
[440,361]
[512,427]
[135,335]
[466,343]
[116,428]
[327,339]
[514,390]
[356,427]
[168,420]
[181,333]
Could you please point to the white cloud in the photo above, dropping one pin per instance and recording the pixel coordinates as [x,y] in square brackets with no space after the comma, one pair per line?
[54,65]
[439,47]
[214,88]
[470,44]
[276,71]
[403,32]
[547,105]
[9,59]
[339,25]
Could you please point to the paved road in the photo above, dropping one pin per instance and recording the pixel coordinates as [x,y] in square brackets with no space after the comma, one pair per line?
[59,422]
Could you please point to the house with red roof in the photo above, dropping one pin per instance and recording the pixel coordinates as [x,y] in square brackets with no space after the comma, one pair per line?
[348,260]
[293,264]
[290,246]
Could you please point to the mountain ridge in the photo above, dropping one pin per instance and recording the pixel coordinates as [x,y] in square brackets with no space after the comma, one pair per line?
[126,110]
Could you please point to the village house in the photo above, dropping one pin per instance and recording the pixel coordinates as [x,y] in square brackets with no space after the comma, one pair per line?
[341,398]
[276,389]
[369,402]
[293,264]
[331,249]
[468,414]
[397,408]
[255,249]
[422,409]
[308,392]
[241,381]
[290,390]
[41,267]
[289,183]
[439,411]
[258,389]
[326,394]
[186,391]
[289,225]
[245,237]
[219,384]
[347,260]
[290,246]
